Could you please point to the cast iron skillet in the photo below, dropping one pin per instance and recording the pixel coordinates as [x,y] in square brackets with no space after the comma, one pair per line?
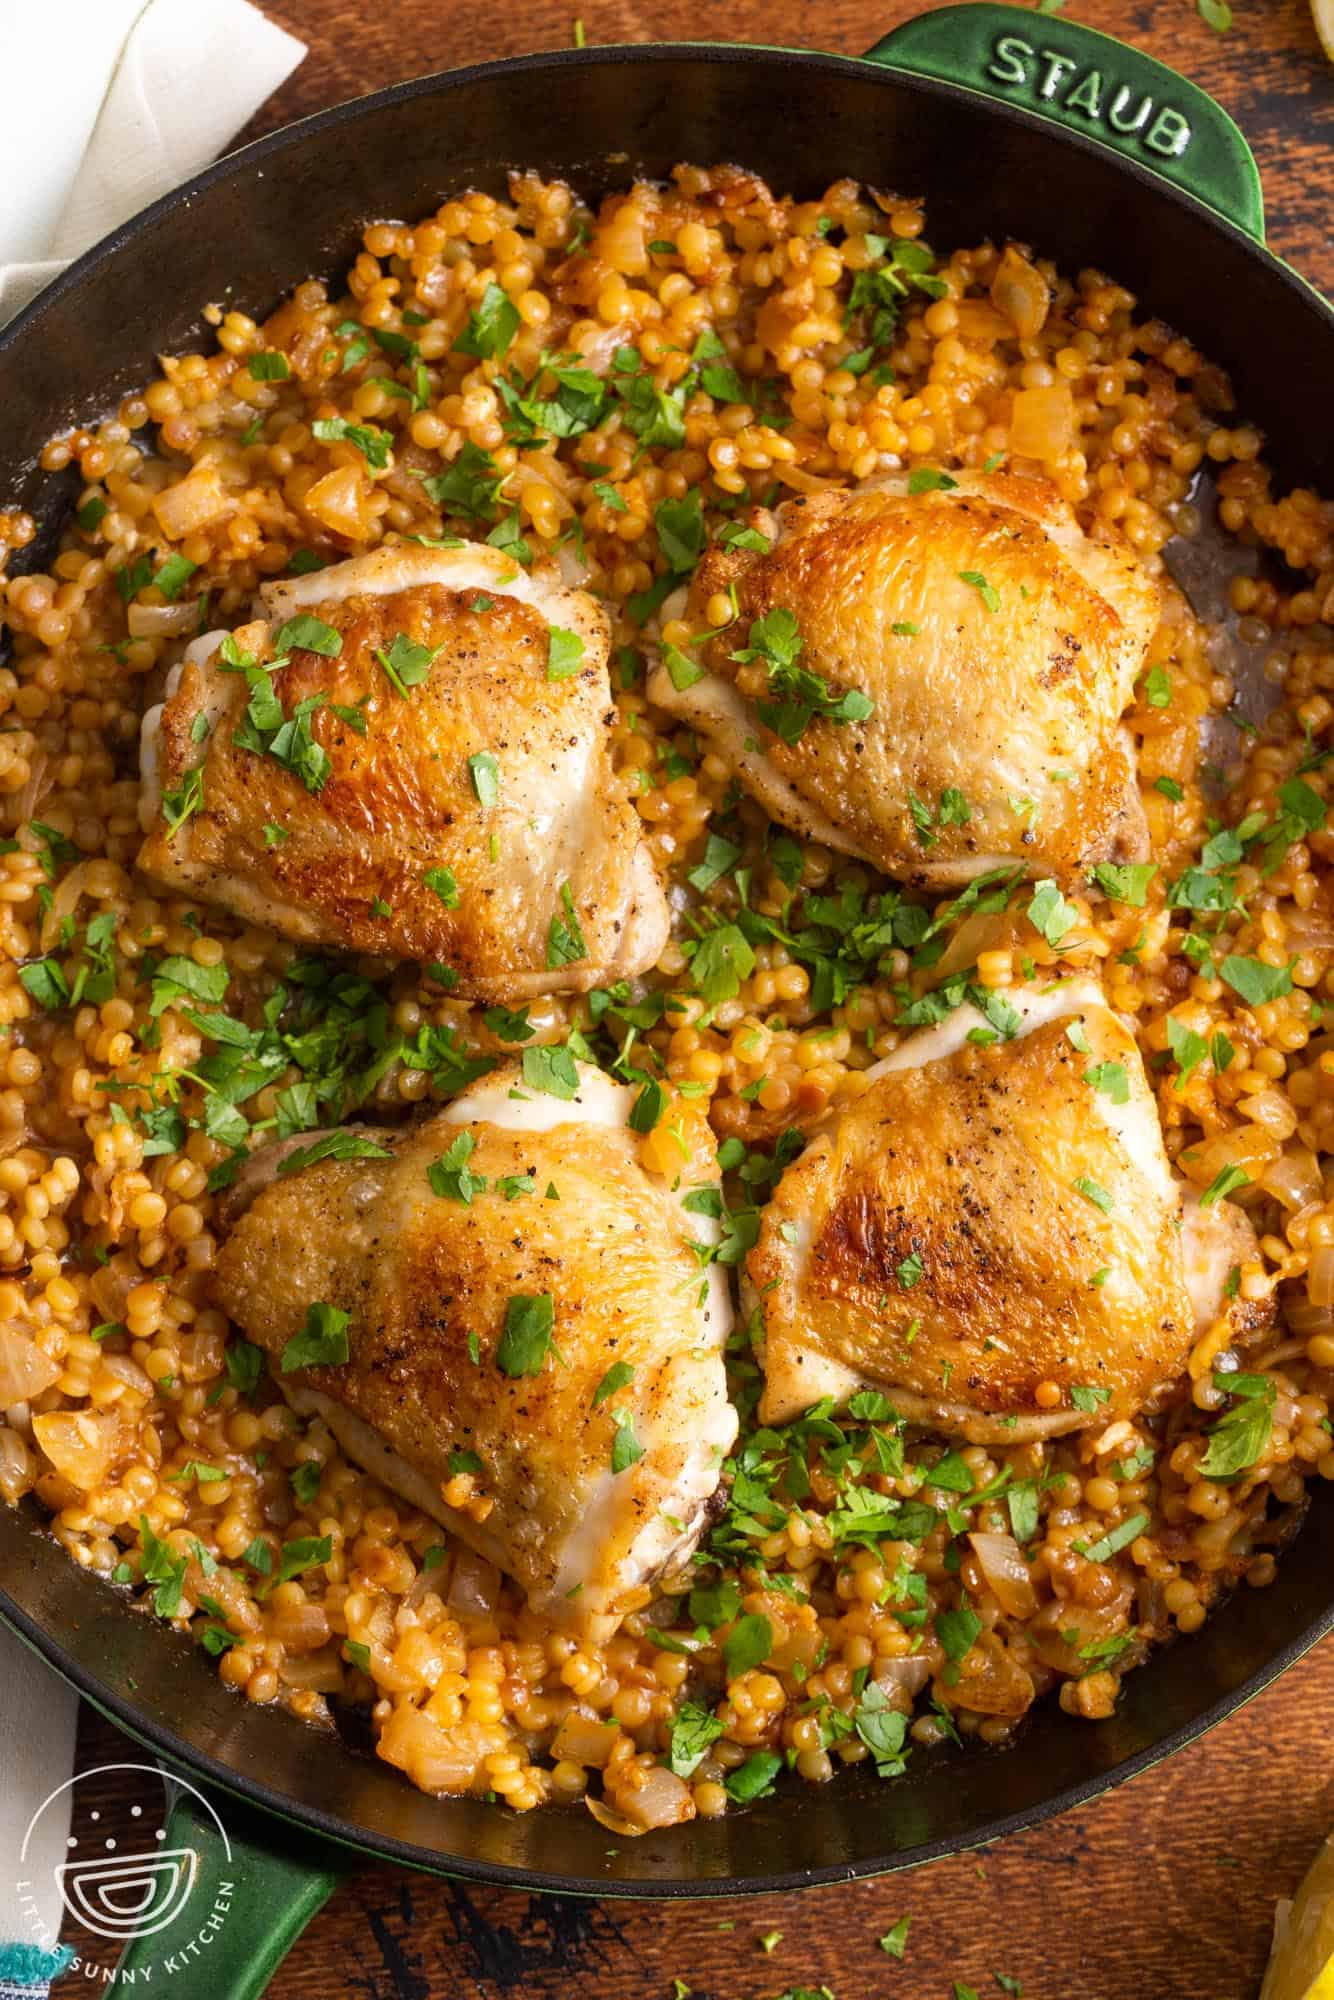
[1005,120]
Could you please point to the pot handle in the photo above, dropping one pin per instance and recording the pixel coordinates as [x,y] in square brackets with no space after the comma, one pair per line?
[1092,84]
[254,1886]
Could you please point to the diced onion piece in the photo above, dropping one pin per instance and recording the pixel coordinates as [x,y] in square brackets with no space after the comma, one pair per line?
[662,1799]
[622,240]
[338,502]
[159,621]
[903,1679]
[17,1470]
[301,1628]
[1005,1570]
[614,1822]
[474,1586]
[1247,1146]
[201,1354]
[582,1739]
[1293,1178]
[65,898]
[192,503]
[1320,1277]
[1271,1109]
[977,933]
[436,1759]
[321,1672]
[1064,1634]
[991,1681]
[79,1443]
[1307,1318]
[25,1368]
[127,1370]
[17,1465]
[976,320]
[802,481]
[1020,291]
[1042,423]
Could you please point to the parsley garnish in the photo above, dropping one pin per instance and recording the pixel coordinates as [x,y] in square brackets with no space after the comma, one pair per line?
[322,1341]
[529,1324]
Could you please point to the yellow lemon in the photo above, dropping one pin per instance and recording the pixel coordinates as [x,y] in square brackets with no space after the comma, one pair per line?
[1322,13]
[1302,1965]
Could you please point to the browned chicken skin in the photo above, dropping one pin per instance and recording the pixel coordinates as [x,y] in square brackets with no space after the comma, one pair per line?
[986,1220]
[428,1281]
[351,866]
[1000,647]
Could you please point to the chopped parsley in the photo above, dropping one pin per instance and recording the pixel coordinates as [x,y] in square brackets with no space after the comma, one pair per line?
[1241,1436]
[530,1319]
[322,1341]
[776,641]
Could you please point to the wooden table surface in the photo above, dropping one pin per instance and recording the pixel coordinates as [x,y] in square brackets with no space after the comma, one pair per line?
[1165,1889]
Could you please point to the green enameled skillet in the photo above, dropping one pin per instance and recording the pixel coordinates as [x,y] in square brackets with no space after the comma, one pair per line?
[1011,124]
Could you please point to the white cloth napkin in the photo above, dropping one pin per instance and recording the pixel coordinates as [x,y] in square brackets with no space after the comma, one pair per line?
[106,104]
[37,1721]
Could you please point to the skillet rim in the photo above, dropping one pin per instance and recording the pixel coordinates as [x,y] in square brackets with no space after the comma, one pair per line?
[342,1835]
[441,82]
[234,166]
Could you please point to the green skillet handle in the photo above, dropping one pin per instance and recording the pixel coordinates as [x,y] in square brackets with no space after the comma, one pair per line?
[255,1886]
[1092,84]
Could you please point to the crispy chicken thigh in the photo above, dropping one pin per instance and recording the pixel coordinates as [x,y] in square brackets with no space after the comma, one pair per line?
[992,1216]
[572,1260]
[999,646]
[469,816]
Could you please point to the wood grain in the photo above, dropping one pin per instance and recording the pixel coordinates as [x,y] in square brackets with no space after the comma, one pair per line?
[1165,1889]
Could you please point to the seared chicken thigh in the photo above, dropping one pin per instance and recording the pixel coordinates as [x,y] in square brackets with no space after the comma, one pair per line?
[428,775]
[528,1329]
[996,643]
[992,1234]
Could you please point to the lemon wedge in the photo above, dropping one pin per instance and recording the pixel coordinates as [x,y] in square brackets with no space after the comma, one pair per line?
[1322,13]
[1302,1964]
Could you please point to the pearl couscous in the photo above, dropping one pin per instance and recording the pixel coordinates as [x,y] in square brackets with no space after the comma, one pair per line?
[704,338]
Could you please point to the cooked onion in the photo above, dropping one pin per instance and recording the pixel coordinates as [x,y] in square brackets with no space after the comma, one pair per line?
[1320,1277]
[1293,1178]
[338,502]
[474,1587]
[1247,1146]
[906,1677]
[157,621]
[990,1680]
[1020,291]
[17,1470]
[25,1368]
[65,900]
[1273,1110]
[1004,1568]
[436,1759]
[622,240]
[193,502]
[79,1443]
[583,1739]
[26,801]
[1042,425]
[614,1822]
[662,1799]
[1305,1318]
[127,1370]
[976,934]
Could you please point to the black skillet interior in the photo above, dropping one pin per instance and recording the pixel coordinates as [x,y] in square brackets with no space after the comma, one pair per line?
[294,205]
